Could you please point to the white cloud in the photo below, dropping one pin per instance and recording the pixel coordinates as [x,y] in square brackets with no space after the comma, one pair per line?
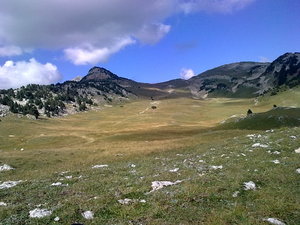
[17,74]
[186,73]
[220,6]
[10,51]
[152,33]
[90,28]
[89,54]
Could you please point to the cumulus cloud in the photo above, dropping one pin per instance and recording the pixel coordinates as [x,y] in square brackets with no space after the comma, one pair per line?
[90,28]
[186,73]
[152,33]
[17,74]
[10,51]
[88,54]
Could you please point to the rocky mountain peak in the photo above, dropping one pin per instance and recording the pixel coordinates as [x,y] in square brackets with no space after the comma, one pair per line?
[99,74]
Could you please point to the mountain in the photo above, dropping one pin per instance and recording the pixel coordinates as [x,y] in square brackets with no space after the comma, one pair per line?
[99,74]
[231,80]
[100,86]
[245,79]
[242,79]
[248,79]
[285,70]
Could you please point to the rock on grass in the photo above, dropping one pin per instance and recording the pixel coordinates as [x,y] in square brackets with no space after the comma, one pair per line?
[9,184]
[5,167]
[249,186]
[99,166]
[88,215]
[297,150]
[274,221]
[156,185]
[39,213]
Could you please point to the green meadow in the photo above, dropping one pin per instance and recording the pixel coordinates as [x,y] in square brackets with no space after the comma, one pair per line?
[208,146]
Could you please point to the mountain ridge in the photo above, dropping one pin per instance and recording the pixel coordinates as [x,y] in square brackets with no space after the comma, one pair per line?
[100,86]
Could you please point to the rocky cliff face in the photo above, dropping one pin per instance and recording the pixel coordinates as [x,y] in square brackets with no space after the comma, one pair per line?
[285,70]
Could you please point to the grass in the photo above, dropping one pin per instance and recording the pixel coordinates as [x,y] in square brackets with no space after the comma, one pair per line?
[275,118]
[178,134]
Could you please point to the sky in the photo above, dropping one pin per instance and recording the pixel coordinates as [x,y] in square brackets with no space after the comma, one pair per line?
[150,41]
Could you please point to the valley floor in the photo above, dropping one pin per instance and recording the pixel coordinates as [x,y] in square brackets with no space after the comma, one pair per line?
[107,166]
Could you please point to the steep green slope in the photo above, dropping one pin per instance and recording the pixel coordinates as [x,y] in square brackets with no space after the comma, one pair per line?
[275,118]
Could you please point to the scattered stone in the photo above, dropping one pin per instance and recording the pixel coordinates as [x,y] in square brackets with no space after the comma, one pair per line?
[274,153]
[276,161]
[68,177]
[235,194]
[39,213]
[251,136]
[259,145]
[3,204]
[56,219]
[88,215]
[9,184]
[56,184]
[22,149]
[293,137]
[298,170]
[274,221]
[99,166]
[249,186]
[64,172]
[156,185]
[6,167]
[125,201]
[297,150]
[132,165]
[271,131]
[174,170]
[216,167]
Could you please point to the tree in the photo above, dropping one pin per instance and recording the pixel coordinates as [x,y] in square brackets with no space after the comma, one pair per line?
[249,112]
[82,107]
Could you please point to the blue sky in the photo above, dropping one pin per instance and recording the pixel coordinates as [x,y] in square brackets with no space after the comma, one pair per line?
[166,40]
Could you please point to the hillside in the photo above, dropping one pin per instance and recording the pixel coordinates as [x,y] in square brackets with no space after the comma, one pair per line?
[100,87]
[275,118]
[248,79]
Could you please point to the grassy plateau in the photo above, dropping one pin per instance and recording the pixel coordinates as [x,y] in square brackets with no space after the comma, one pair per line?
[205,145]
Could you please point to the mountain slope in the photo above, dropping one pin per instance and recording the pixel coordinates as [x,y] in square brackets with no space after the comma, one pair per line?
[242,79]
[100,86]
[247,79]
